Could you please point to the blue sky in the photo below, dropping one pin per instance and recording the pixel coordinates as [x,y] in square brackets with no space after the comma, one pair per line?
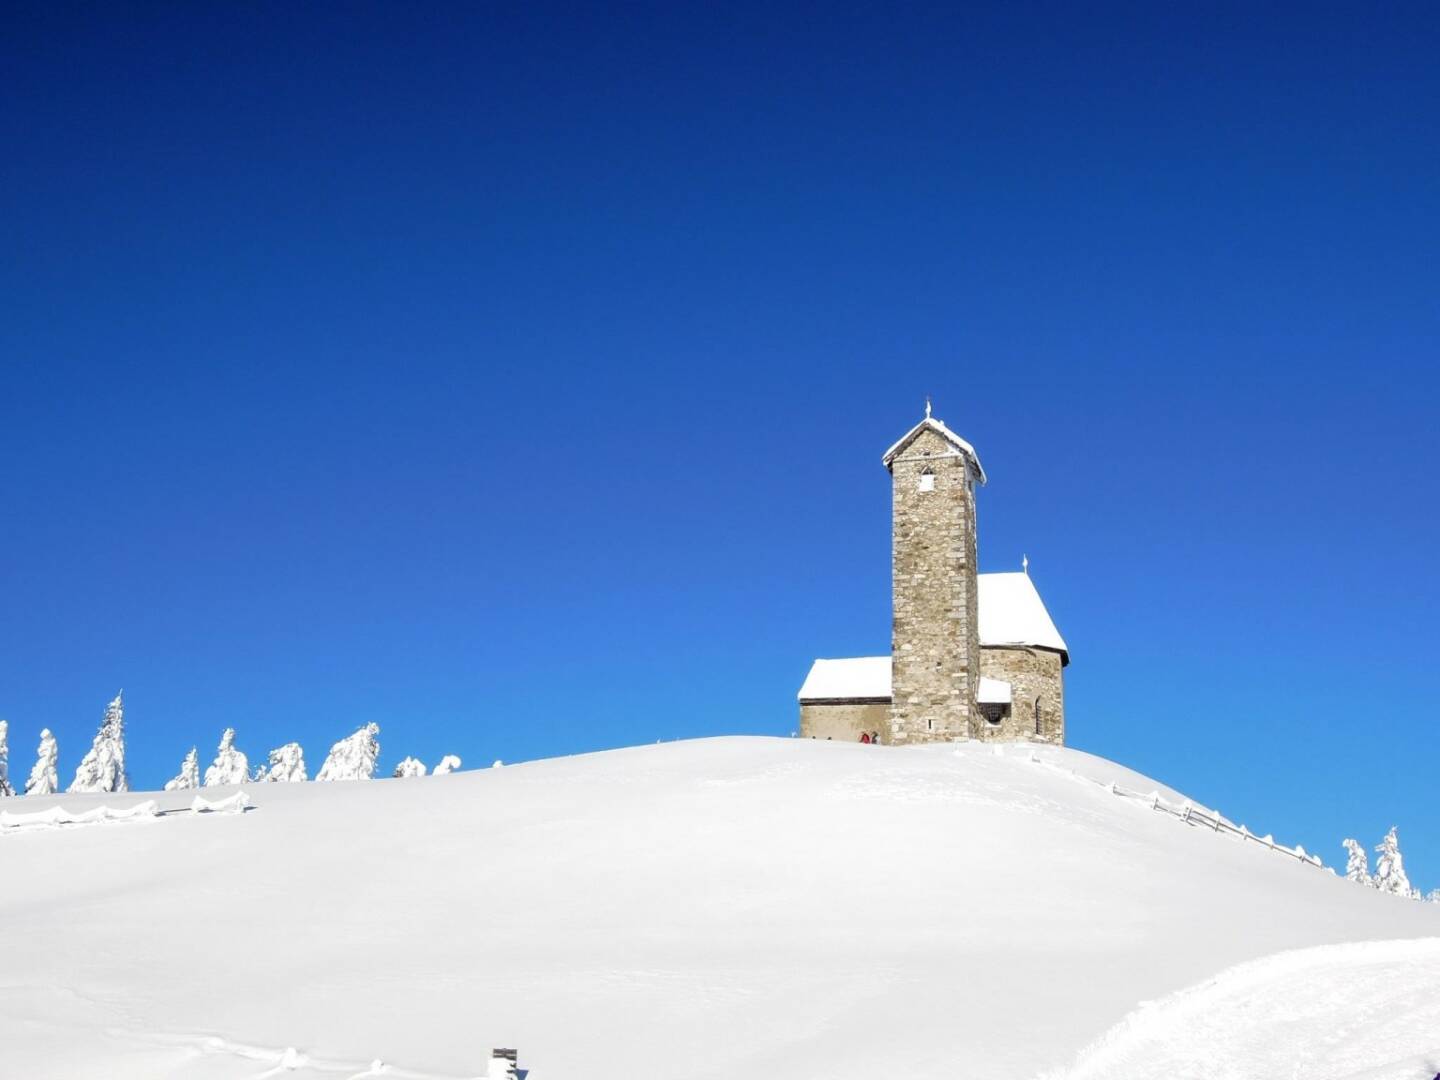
[519,380]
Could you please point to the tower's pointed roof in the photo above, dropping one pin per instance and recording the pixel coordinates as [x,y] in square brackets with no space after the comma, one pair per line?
[960,446]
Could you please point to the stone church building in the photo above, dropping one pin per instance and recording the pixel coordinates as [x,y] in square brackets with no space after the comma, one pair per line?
[971,655]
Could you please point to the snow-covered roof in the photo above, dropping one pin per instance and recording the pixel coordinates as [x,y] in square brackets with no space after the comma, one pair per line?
[931,424]
[992,691]
[1012,613]
[859,678]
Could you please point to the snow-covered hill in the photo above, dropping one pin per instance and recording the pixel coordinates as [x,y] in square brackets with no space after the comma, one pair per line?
[719,908]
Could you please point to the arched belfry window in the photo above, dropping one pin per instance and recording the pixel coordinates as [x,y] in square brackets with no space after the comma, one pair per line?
[1037,717]
[927,479]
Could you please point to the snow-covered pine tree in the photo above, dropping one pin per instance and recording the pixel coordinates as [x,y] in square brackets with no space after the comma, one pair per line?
[43,777]
[354,757]
[189,775]
[409,767]
[1390,868]
[1434,896]
[230,765]
[1357,865]
[103,768]
[5,788]
[448,764]
[287,765]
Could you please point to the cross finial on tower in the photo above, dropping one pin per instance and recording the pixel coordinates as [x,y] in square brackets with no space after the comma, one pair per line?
[927,406]
[1025,564]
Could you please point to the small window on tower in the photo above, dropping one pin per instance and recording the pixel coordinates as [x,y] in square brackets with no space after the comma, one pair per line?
[1038,730]
[927,480]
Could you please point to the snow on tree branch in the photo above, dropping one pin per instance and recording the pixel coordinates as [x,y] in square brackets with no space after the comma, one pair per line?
[354,757]
[230,765]
[1390,868]
[189,775]
[287,765]
[103,768]
[409,767]
[1357,864]
[43,777]
[448,764]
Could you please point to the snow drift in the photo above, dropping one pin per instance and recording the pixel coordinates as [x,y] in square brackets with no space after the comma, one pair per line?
[709,909]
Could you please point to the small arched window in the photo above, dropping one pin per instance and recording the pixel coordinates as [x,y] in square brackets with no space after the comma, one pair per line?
[1037,717]
[927,479]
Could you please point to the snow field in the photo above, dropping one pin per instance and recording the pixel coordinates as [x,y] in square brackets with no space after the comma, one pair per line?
[694,911]
[1334,1012]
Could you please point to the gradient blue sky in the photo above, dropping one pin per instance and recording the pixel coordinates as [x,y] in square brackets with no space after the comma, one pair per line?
[518,379]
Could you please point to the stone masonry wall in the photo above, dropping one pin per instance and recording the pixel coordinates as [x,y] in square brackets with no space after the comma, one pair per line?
[1034,676]
[844,721]
[935,633]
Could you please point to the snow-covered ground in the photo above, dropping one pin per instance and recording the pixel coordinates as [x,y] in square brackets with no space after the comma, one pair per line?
[718,908]
[1334,1012]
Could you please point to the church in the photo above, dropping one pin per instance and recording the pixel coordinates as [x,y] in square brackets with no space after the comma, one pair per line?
[972,656]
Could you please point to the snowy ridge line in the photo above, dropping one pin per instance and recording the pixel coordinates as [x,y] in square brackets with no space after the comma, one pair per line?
[1190,814]
[1157,1020]
[59,817]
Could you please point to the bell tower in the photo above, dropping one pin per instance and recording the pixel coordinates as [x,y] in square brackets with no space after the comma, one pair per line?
[935,631]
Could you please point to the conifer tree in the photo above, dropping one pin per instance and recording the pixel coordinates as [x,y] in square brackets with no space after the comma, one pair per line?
[287,765]
[448,764]
[103,768]
[43,777]
[353,757]
[189,775]
[1357,866]
[409,767]
[5,788]
[1390,867]
[230,765]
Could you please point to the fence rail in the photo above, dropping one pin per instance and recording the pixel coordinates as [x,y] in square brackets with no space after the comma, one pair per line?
[1190,814]
[57,817]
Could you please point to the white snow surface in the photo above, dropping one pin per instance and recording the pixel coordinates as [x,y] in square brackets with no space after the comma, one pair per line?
[1011,613]
[708,909]
[1333,1012]
[992,691]
[857,677]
